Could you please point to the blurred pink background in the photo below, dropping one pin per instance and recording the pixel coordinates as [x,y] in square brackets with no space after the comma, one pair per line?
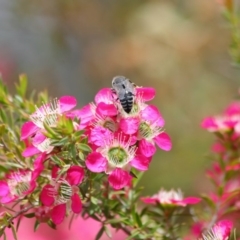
[80,230]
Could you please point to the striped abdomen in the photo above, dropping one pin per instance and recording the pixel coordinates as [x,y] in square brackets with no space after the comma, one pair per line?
[127,102]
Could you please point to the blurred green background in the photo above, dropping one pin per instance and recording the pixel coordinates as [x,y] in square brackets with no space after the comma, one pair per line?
[179,47]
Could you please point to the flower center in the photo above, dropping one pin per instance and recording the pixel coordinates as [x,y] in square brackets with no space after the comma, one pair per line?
[117,156]
[44,146]
[19,184]
[167,196]
[65,192]
[110,125]
[145,130]
[135,108]
[47,113]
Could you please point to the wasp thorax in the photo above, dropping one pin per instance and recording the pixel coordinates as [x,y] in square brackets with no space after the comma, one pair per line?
[117,156]
[118,80]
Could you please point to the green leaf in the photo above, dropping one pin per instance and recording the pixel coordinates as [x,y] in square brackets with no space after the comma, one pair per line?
[57,160]
[18,223]
[94,201]
[134,234]
[14,231]
[116,220]
[77,135]
[136,218]
[209,201]
[22,86]
[73,151]
[51,132]
[36,225]
[133,175]
[29,215]
[84,147]
[51,225]
[61,142]
[108,232]
[81,156]
[3,115]
[100,233]
[69,125]
[95,218]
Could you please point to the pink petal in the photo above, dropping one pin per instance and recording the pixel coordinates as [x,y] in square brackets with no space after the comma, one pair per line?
[95,162]
[140,162]
[76,203]
[58,213]
[163,141]
[30,151]
[31,187]
[67,103]
[191,200]
[152,115]
[46,195]
[38,166]
[38,138]
[146,148]
[209,123]
[126,138]
[104,95]
[129,125]
[99,134]
[223,228]
[75,175]
[104,109]
[38,162]
[28,129]
[7,199]
[85,114]
[119,178]
[55,170]
[149,200]
[218,148]
[4,189]
[233,109]
[145,93]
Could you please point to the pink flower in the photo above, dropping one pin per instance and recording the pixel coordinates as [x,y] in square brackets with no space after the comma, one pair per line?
[86,115]
[48,114]
[105,103]
[20,183]
[63,194]
[150,132]
[229,120]
[42,213]
[220,231]
[170,198]
[99,135]
[115,158]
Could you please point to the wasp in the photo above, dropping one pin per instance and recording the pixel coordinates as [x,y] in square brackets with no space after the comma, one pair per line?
[125,91]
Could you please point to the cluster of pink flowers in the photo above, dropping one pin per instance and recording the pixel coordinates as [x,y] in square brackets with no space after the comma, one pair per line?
[224,172]
[57,192]
[120,140]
